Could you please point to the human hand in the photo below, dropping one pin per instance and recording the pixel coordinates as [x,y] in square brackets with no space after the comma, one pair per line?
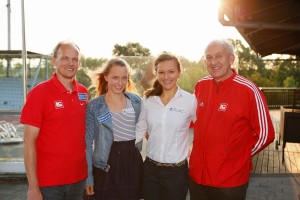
[34,193]
[89,190]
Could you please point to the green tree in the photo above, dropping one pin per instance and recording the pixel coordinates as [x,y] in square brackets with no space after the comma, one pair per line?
[266,72]
[246,59]
[137,56]
[191,73]
[259,80]
[290,82]
[131,49]
[92,63]
[16,70]
[141,62]
[2,69]
[88,66]
[83,78]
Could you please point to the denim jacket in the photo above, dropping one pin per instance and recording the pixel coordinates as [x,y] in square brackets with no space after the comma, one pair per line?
[99,132]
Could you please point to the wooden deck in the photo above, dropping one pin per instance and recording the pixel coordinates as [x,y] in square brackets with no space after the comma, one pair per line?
[269,161]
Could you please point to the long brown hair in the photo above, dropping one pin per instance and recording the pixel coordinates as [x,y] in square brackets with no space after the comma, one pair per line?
[99,82]
[157,89]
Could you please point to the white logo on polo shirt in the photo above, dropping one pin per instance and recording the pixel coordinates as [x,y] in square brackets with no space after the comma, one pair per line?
[59,104]
[223,107]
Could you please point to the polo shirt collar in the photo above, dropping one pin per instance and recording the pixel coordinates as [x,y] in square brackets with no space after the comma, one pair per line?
[178,93]
[60,86]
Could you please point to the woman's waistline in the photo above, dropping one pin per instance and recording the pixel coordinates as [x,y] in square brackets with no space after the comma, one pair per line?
[167,164]
[123,144]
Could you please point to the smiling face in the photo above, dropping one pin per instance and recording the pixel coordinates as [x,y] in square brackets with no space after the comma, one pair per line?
[66,61]
[218,61]
[117,79]
[167,73]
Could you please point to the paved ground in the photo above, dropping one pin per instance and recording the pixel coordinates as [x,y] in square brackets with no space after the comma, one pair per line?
[261,187]
[275,185]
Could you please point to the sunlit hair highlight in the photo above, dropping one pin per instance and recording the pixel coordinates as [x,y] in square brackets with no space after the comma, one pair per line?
[65,42]
[99,82]
[226,43]
[157,89]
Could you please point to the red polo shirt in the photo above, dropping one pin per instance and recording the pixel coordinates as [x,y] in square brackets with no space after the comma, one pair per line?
[60,145]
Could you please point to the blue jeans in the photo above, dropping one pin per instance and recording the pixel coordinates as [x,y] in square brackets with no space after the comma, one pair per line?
[64,192]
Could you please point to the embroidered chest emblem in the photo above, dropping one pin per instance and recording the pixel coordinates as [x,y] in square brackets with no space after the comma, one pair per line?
[58,104]
[179,110]
[82,96]
[223,107]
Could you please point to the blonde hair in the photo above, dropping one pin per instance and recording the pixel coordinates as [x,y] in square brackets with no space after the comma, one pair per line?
[99,82]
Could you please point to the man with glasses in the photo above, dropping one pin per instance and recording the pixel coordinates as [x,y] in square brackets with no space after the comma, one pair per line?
[54,128]
[233,124]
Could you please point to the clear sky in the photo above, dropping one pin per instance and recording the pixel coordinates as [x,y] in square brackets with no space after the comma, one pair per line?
[182,27]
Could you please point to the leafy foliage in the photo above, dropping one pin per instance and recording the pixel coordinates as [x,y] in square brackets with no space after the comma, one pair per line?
[266,73]
[191,73]
[131,49]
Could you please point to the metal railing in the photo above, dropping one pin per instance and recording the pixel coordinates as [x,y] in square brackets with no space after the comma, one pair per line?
[277,97]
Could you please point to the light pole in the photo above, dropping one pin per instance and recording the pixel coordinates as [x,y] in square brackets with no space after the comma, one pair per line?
[8,38]
[24,53]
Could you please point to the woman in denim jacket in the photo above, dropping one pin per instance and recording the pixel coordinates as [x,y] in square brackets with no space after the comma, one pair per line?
[114,161]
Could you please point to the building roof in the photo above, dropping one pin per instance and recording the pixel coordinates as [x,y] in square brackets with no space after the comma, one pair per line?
[18,54]
[268,26]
